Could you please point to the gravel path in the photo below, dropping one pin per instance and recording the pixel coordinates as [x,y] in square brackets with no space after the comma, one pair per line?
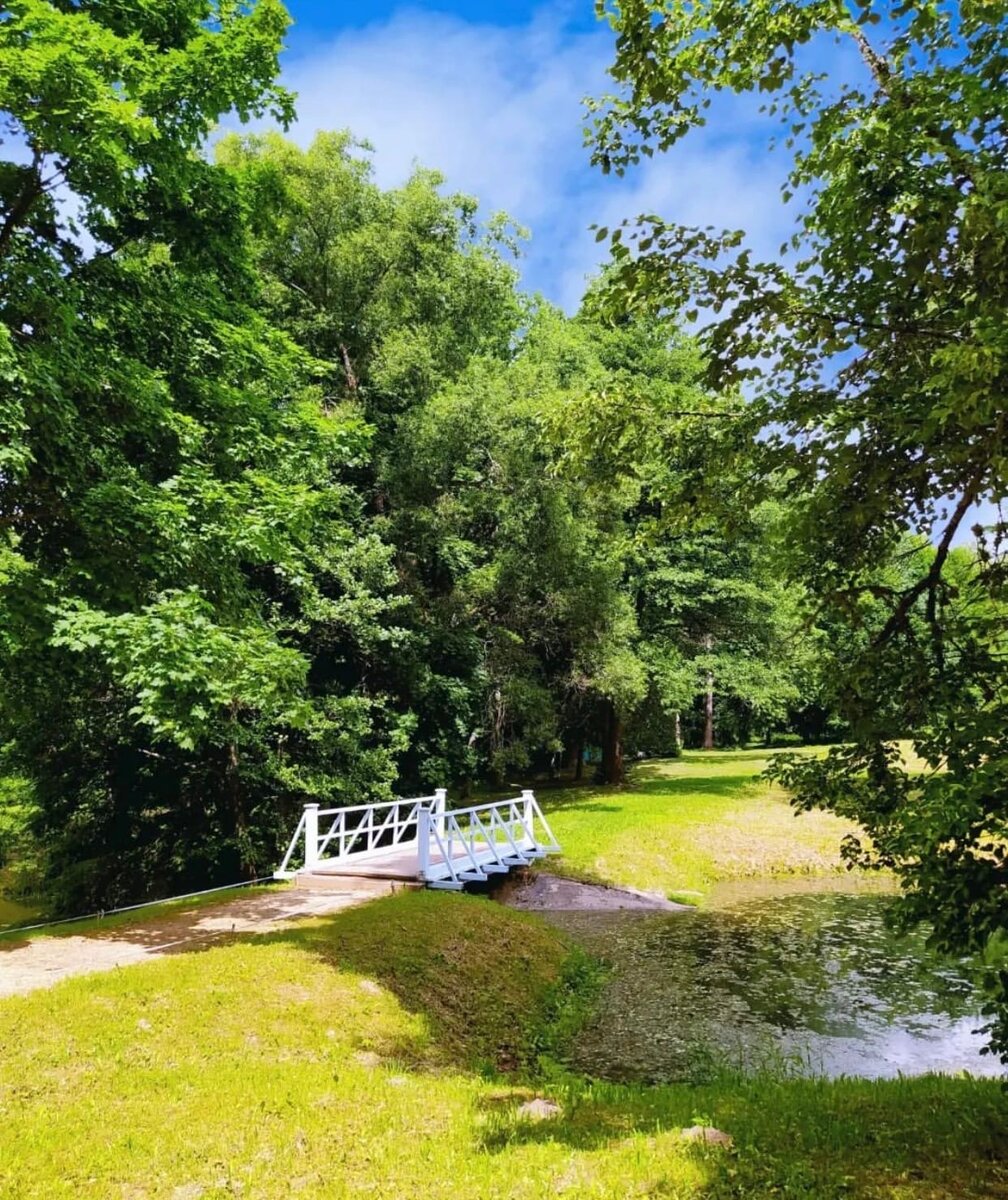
[42,961]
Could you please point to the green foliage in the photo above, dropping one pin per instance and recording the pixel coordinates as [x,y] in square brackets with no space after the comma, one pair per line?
[876,349]
[392,291]
[300,498]
[187,674]
[175,514]
[17,808]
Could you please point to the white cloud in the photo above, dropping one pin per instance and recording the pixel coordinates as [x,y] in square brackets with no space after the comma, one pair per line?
[498,111]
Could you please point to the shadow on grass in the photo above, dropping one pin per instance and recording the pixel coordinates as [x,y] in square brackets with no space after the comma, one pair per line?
[616,799]
[484,977]
[713,785]
[926,1137]
[175,927]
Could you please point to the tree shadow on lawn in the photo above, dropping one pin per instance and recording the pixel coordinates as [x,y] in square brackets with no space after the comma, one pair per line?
[620,799]
[693,760]
[482,976]
[714,785]
[175,930]
[928,1137]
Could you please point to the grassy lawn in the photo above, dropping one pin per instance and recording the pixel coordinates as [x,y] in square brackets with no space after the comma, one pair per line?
[385,1052]
[682,825]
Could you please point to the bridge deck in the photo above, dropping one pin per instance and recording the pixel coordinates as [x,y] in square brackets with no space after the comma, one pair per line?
[403,863]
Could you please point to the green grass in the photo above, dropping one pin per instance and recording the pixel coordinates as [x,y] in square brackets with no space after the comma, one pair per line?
[13,912]
[359,1056]
[117,920]
[681,825]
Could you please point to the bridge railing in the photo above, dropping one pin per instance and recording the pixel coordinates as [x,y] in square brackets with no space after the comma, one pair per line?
[466,844]
[452,847]
[361,830]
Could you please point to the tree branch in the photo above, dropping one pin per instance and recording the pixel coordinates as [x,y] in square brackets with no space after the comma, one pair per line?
[31,190]
[351,378]
[929,582]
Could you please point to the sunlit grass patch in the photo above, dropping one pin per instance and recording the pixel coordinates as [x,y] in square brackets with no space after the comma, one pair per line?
[681,825]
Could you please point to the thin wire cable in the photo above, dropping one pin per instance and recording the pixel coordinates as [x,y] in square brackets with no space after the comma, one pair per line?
[108,912]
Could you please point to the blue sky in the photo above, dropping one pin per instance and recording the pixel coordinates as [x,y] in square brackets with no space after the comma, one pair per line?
[491,94]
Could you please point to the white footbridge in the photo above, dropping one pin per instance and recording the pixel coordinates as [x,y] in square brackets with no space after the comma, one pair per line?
[419,840]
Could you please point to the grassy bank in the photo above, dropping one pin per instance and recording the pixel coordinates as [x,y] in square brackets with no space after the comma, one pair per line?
[681,825]
[363,1054]
[13,912]
[27,924]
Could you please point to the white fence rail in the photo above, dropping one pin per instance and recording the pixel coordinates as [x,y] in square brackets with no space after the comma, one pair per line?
[451,847]
[470,844]
[337,835]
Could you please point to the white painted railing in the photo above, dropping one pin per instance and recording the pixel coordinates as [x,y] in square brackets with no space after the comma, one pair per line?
[469,844]
[335,835]
[451,848]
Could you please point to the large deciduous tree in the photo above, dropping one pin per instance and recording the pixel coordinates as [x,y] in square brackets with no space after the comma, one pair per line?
[395,292]
[174,508]
[877,352]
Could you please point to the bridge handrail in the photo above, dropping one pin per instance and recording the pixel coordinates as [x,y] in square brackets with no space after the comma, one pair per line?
[282,872]
[478,836]
[475,808]
[352,808]
[346,834]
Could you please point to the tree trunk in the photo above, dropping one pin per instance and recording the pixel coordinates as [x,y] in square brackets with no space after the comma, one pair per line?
[677,726]
[612,746]
[235,801]
[708,732]
[579,763]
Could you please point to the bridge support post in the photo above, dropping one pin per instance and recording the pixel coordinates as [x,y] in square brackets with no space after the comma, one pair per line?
[440,803]
[311,836]
[528,815]
[423,842]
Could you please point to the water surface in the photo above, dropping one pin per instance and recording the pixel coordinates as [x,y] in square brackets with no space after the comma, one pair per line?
[802,978]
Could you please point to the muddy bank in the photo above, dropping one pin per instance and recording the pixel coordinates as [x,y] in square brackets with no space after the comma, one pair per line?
[542,892]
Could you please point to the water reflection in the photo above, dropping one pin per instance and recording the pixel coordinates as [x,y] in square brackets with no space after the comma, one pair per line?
[815,979]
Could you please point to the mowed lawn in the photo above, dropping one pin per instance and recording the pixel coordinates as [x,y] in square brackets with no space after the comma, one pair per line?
[386,1052]
[681,825]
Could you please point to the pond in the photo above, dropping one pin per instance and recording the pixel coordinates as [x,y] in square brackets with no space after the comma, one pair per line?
[810,981]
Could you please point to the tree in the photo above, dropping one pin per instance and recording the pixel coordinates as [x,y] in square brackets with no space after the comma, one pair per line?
[544,502]
[174,503]
[395,292]
[723,627]
[520,560]
[877,354]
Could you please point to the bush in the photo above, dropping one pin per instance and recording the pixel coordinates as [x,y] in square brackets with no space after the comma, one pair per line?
[17,808]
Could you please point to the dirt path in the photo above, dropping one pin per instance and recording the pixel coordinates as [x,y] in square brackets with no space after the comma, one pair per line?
[543,892]
[41,961]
